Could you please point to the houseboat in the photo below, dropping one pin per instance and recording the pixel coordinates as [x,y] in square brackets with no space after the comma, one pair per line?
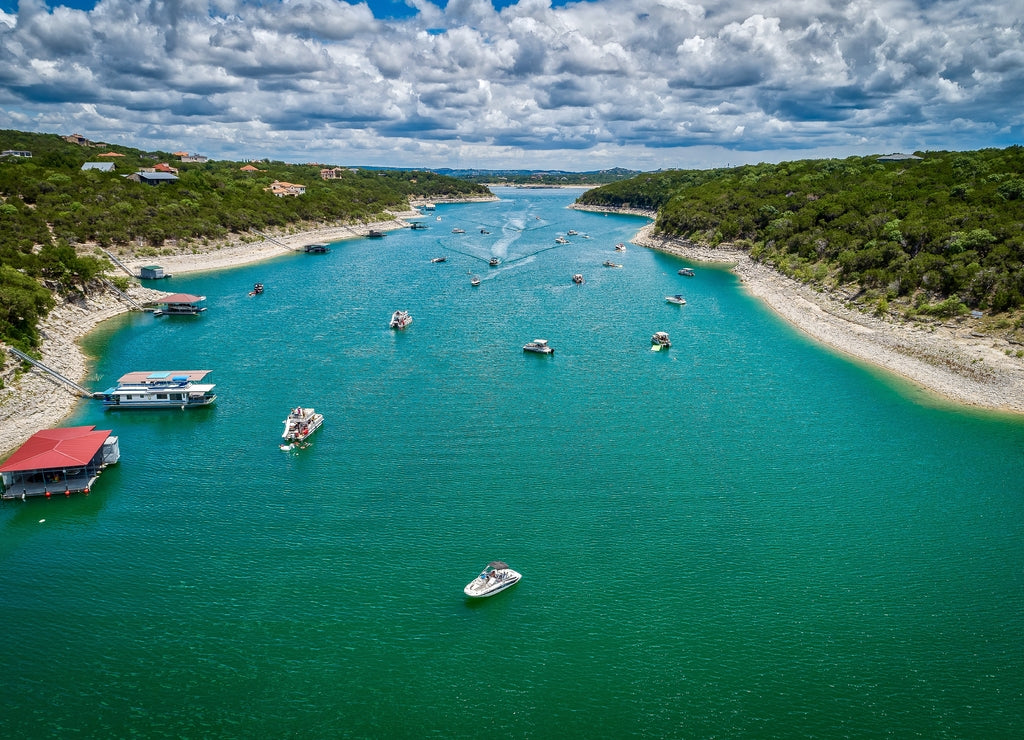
[180,304]
[317,249]
[160,389]
[58,461]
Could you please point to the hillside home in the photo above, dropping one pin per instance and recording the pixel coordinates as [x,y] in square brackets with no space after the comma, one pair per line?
[152,178]
[195,159]
[77,139]
[101,166]
[281,189]
[15,153]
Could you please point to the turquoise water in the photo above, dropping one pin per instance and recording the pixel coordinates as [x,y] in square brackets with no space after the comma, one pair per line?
[744,536]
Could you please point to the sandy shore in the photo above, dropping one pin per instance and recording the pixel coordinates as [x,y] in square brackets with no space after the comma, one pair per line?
[948,359]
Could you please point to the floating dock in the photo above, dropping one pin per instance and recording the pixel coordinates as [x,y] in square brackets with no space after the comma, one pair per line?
[59,461]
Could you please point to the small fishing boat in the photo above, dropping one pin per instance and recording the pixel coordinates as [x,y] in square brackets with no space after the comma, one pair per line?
[484,231]
[474,281]
[494,262]
[686,272]
[620,247]
[572,232]
[676,299]
[417,225]
[540,346]
[435,260]
[376,234]
[496,577]
[660,341]
[458,231]
[301,423]
[400,319]
[257,289]
[609,263]
[578,279]
[561,240]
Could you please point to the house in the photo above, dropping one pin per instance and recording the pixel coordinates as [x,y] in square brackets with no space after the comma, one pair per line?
[248,168]
[281,189]
[152,178]
[77,139]
[195,159]
[15,153]
[897,157]
[63,460]
[164,167]
[101,166]
[333,173]
[179,155]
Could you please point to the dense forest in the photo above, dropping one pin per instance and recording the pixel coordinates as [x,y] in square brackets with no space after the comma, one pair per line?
[937,233]
[51,210]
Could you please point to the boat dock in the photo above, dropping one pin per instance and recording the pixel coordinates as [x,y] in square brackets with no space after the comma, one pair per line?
[58,461]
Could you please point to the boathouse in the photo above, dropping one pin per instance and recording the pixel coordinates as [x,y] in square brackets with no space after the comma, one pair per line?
[180,304]
[152,272]
[65,460]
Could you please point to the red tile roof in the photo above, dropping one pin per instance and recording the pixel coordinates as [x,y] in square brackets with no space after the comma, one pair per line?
[65,447]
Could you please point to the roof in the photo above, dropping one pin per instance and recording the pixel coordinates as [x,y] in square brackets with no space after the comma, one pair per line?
[110,154]
[104,166]
[158,376]
[157,175]
[65,447]
[181,298]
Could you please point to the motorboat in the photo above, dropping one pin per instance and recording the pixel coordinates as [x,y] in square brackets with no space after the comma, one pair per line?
[578,279]
[301,423]
[540,346]
[660,341]
[572,232]
[496,577]
[376,234]
[400,319]
[257,289]
[676,299]
[435,260]
[417,226]
[561,240]
[620,247]
[484,231]
[686,272]
[609,263]
[474,281]
[458,231]
[494,262]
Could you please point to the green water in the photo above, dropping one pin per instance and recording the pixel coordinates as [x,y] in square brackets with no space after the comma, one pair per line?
[745,536]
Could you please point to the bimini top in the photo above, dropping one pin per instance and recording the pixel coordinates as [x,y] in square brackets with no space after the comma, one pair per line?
[163,377]
[498,565]
[181,298]
[64,447]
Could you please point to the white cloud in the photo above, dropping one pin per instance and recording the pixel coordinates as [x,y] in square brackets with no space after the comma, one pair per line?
[636,83]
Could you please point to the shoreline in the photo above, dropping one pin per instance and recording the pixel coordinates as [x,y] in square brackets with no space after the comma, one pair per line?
[946,359]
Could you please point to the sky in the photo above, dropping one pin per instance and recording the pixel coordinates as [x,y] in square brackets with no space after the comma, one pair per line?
[527,84]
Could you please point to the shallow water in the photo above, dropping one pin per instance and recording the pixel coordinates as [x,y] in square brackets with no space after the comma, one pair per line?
[744,536]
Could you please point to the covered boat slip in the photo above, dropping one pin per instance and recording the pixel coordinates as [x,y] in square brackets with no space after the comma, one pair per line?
[59,461]
[180,304]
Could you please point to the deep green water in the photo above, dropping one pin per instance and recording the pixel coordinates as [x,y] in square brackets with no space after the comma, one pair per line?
[745,536]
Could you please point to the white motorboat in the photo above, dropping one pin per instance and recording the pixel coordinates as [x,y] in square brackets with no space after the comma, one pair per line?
[578,279]
[400,319]
[686,272]
[572,232]
[474,281]
[457,230]
[620,247]
[561,240]
[497,576]
[494,262]
[436,260]
[676,299]
[540,346]
[609,263]
[301,423]
[660,341]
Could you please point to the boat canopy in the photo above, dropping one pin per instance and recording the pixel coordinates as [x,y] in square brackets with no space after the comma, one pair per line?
[498,565]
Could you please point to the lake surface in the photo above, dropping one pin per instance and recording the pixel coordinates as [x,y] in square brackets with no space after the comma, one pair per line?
[746,535]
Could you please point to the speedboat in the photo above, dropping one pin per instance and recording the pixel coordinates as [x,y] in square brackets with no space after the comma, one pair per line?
[301,423]
[497,576]
[561,240]
[435,260]
[257,289]
[400,319]
[484,231]
[494,262]
[609,263]
[686,272]
[676,299]
[660,341]
[458,231]
[620,247]
[578,279]
[572,232]
[540,346]
[474,281]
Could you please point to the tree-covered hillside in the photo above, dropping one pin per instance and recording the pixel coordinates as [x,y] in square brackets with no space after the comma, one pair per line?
[939,234]
[50,207]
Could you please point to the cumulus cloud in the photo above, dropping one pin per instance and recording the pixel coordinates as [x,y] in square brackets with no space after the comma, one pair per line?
[636,83]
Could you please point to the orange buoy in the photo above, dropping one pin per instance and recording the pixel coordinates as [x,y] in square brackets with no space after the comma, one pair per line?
[47,494]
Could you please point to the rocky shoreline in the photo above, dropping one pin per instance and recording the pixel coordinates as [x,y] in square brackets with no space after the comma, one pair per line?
[946,358]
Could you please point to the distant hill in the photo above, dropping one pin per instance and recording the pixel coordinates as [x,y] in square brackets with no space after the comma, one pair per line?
[539,177]
[931,234]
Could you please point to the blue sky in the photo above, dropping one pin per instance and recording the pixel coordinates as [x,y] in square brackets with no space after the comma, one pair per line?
[643,84]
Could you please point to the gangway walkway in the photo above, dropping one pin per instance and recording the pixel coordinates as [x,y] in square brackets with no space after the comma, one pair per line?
[124,296]
[67,381]
[118,262]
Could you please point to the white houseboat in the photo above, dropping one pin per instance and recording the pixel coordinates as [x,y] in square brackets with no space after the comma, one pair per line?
[160,389]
